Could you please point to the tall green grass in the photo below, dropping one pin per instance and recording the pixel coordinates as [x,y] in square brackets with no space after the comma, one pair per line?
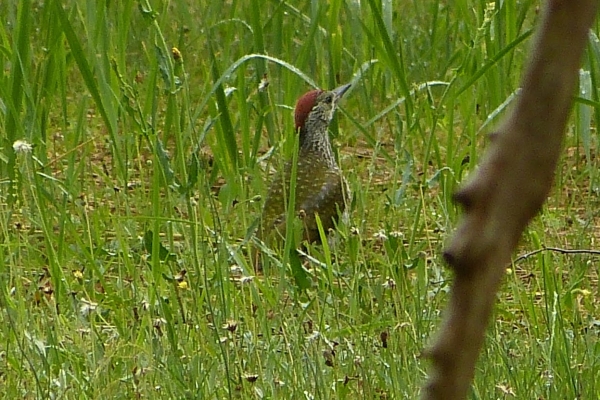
[156,127]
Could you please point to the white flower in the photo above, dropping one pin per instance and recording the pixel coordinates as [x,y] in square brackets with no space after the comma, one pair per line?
[21,146]
[389,284]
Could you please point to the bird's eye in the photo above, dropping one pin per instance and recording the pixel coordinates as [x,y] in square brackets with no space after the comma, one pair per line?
[329,99]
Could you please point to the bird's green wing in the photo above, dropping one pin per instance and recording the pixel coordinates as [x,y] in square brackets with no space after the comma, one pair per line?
[328,202]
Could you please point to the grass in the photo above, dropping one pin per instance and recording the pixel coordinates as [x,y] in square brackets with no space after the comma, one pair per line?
[125,269]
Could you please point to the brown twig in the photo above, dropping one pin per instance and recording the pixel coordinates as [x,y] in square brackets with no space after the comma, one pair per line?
[556,250]
[506,192]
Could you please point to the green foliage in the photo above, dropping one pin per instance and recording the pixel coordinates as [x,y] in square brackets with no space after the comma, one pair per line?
[139,138]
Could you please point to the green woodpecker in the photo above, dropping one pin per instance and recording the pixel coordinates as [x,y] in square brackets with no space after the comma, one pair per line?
[320,187]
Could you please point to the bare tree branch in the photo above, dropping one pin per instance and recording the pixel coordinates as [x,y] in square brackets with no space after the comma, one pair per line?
[507,191]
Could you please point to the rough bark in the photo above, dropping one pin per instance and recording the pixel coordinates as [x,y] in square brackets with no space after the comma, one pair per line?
[507,191]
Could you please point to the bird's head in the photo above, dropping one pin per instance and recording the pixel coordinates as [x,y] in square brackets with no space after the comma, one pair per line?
[315,109]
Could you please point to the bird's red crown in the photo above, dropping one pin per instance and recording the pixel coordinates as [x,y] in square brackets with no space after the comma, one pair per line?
[304,105]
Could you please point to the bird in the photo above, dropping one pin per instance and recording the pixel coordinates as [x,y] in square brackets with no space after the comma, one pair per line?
[320,186]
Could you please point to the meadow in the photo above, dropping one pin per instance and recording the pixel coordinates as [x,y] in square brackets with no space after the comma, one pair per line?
[137,143]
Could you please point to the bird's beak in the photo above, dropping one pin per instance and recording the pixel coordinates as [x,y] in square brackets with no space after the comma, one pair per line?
[339,92]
